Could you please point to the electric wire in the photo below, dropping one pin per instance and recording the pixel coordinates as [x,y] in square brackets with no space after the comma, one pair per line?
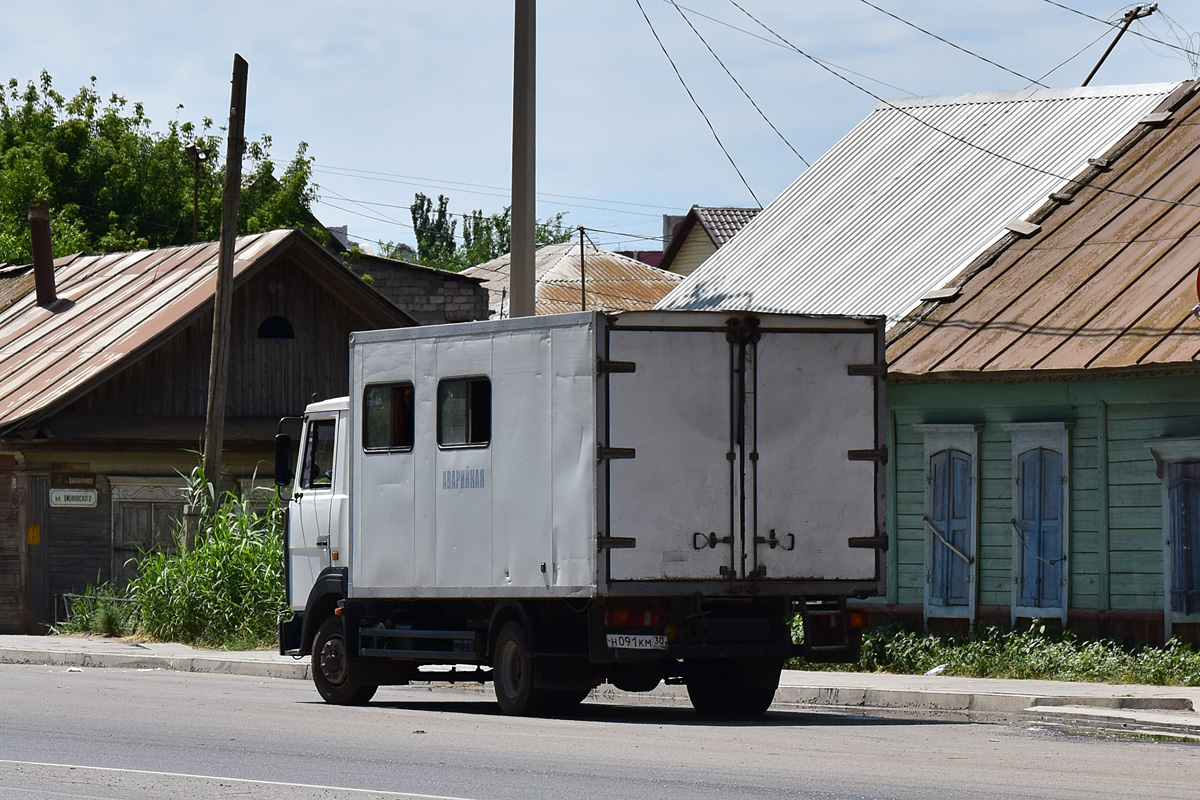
[409,180]
[1112,24]
[952,44]
[774,43]
[697,104]
[962,140]
[739,85]
[1080,52]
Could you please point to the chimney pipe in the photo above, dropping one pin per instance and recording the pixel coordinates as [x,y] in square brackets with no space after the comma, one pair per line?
[43,254]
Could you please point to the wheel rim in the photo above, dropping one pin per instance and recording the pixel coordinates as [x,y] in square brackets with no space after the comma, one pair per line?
[333,660]
[509,667]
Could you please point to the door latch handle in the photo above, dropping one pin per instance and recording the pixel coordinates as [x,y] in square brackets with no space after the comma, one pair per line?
[787,541]
[323,542]
[703,540]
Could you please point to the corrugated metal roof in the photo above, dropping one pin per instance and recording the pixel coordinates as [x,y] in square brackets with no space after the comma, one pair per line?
[1108,283]
[614,282]
[111,307]
[901,204]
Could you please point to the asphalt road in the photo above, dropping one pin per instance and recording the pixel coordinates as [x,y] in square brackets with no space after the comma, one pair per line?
[106,733]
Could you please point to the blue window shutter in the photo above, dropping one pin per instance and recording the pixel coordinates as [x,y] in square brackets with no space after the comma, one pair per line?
[960,524]
[1183,494]
[1029,522]
[1039,519]
[950,513]
[939,512]
[1051,584]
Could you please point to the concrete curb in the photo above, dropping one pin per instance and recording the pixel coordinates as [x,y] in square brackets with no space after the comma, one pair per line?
[1126,715]
[217,666]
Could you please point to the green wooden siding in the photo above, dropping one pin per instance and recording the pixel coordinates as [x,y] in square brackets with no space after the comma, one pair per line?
[1133,410]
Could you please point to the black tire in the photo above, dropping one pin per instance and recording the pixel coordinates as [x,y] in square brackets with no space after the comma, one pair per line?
[565,702]
[512,674]
[336,674]
[733,687]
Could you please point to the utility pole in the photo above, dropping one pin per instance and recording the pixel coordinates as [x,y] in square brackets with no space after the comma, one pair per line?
[582,275]
[218,373]
[198,156]
[521,273]
[1137,12]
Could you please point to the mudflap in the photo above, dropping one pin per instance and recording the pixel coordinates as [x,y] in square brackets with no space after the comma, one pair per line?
[291,632]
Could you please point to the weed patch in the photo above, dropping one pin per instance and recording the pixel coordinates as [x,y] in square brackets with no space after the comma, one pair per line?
[1023,654]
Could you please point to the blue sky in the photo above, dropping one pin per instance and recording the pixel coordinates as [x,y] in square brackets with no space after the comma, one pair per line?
[403,96]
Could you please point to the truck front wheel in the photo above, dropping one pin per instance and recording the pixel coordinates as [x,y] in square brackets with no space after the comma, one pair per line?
[334,670]
[512,674]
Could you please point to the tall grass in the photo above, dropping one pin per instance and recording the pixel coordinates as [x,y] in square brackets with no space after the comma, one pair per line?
[1034,653]
[225,590]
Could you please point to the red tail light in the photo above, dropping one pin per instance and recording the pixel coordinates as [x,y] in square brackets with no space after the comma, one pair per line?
[632,618]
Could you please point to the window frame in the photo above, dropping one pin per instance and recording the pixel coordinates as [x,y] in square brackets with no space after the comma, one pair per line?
[412,418]
[1053,437]
[470,381]
[965,439]
[1168,451]
[304,480]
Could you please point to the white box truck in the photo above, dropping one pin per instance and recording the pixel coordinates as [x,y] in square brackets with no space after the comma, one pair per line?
[551,503]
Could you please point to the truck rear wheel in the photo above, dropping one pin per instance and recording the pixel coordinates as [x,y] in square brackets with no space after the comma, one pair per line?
[512,674]
[334,670]
[733,687]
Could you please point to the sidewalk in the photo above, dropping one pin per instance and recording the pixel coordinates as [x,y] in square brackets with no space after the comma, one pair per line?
[1123,709]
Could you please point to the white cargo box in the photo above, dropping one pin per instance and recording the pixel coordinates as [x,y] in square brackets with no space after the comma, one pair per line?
[589,454]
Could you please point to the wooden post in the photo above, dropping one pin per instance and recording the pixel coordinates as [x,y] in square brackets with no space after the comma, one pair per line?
[218,373]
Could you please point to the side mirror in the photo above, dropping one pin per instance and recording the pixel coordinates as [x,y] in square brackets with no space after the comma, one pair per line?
[283,460]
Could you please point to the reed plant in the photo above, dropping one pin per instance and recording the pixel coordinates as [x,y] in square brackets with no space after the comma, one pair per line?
[227,588]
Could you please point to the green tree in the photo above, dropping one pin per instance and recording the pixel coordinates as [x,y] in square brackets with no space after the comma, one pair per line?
[113,183]
[484,236]
[435,233]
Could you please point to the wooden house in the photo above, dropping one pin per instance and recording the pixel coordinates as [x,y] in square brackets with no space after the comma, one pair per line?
[104,391]
[1046,453]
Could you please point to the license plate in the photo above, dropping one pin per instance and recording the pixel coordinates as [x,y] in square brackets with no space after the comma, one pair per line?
[624,641]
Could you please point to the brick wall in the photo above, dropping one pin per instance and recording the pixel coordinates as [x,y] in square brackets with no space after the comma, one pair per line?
[429,296]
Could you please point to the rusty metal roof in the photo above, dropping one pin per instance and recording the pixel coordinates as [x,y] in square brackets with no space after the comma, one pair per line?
[911,196]
[1107,283]
[118,306]
[614,282]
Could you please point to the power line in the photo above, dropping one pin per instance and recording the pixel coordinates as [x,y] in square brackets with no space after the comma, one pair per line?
[506,195]
[952,44]
[739,85]
[774,43]
[1083,50]
[960,139]
[436,181]
[696,104]
[1111,24]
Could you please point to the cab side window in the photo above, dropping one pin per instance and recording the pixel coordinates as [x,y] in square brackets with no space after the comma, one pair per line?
[317,472]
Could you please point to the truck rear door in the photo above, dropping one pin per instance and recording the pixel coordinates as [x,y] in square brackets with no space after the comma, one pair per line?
[743,448]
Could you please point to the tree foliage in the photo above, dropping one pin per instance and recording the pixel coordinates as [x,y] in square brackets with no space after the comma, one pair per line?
[484,236]
[114,183]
